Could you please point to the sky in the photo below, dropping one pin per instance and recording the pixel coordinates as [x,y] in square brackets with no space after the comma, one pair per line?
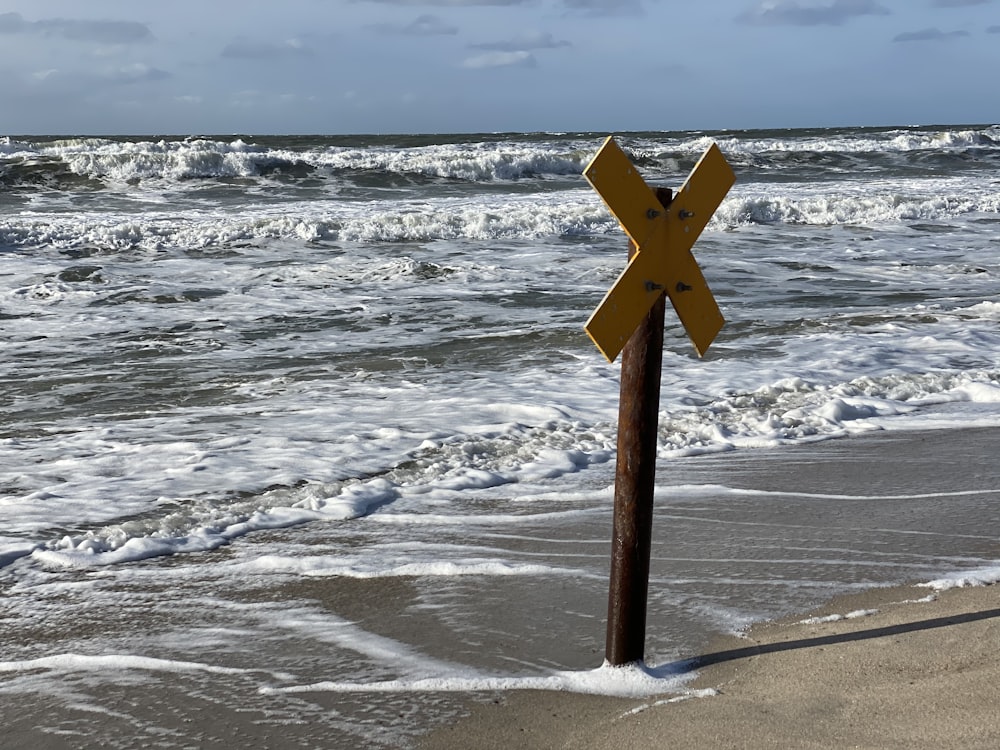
[434,66]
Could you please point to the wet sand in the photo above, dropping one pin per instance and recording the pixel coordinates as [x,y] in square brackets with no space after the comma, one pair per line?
[908,675]
[842,515]
[918,669]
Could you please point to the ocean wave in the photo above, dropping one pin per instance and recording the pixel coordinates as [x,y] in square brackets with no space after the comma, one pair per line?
[853,209]
[130,162]
[122,161]
[794,410]
[507,454]
[850,142]
[573,214]
[789,411]
[840,156]
[41,171]
[445,220]
[469,162]
[184,160]
[94,163]
[10,146]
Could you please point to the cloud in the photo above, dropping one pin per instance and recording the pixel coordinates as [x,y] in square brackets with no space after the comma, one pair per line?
[105,32]
[425,25]
[137,73]
[929,35]
[593,7]
[956,3]
[537,40]
[597,7]
[605,7]
[790,13]
[70,81]
[248,49]
[520,58]
[993,30]
[451,3]
[12,23]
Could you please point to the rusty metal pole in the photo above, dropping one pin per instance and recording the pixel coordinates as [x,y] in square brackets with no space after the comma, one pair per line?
[635,474]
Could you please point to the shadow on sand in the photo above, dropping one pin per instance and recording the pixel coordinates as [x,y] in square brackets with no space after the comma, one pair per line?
[828,640]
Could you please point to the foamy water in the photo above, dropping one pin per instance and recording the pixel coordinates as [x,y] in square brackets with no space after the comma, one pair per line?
[210,343]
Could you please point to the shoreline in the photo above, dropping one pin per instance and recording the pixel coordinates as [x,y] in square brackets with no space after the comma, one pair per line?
[902,666]
[246,644]
[878,665]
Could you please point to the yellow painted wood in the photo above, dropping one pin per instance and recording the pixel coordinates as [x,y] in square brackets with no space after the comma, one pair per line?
[647,276]
[625,305]
[664,263]
[699,197]
[624,191]
[693,301]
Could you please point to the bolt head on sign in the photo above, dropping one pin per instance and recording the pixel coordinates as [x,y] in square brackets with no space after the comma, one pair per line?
[663,237]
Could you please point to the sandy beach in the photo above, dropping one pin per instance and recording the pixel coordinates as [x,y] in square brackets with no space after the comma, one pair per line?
[886,667]
[890,668]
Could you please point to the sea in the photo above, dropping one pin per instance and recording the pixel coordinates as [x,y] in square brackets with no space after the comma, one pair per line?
[304,433]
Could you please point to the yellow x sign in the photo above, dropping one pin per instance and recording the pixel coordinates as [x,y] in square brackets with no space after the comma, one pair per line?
[664,237]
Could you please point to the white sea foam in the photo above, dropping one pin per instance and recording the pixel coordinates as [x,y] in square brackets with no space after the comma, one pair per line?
[125,161]
[856,204]
[104,663]
[477,162]
[520,218]
[631,681]
[884,141]
[785,412]
[852,615]
[364,567]
[717,489]
[985,576]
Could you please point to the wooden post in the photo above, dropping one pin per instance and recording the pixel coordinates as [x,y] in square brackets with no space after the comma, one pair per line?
[635,474]
[629,321]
